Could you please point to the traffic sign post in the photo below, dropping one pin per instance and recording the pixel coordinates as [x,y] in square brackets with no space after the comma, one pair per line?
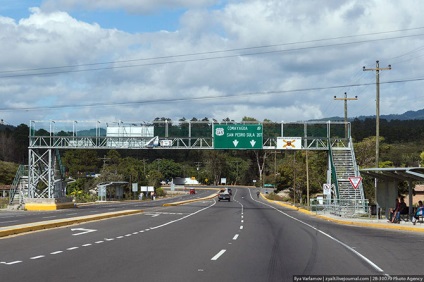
[237,136]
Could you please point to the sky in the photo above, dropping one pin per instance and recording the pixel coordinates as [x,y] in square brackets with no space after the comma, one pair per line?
[280,60]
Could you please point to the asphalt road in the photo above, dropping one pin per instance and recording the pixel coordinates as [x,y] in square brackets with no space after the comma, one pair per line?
[246,239]
[8,218]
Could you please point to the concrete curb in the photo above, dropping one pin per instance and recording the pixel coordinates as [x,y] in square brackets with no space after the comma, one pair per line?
[381,225]
[48,207]
[35,226]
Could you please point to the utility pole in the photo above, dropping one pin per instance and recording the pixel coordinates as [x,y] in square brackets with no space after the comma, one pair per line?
[377,70]
[345,99]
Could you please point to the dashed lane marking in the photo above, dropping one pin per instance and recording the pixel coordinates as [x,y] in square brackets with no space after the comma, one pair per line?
[221,252]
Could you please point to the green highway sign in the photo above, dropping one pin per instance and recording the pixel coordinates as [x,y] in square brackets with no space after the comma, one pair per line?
[237,136]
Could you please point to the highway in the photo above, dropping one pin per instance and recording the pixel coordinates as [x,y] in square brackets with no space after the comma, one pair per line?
[247,239]
[8,218]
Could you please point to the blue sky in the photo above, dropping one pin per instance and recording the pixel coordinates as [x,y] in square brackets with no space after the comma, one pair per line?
[165,19]
[267,59]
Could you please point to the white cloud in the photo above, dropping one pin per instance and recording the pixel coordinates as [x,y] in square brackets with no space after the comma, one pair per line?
[151,77]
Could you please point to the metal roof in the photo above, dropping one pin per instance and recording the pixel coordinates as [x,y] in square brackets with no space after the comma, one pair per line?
[396,173]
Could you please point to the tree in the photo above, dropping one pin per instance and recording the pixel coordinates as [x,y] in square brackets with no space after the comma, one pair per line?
[80,162]
[167,168]
[215,164]
[260,162]
[7,172]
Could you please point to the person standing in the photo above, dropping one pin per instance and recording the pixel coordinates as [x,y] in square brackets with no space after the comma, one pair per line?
[393,212]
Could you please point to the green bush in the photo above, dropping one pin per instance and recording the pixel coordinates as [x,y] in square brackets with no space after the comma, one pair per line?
[3,203]
[160,192]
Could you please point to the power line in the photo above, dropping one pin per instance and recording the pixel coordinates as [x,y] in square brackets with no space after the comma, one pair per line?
[50,70]
[173,100]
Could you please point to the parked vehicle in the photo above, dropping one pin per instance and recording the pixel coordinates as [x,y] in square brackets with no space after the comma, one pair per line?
[192,191]
[230,191]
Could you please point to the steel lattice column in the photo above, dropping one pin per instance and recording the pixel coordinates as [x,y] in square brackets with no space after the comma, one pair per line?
[41,174]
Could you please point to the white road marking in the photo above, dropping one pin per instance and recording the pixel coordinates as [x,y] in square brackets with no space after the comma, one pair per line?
[57,252]
[12,262]
[242,221]
[376,267]
[8,221]
[99,242]
[83,231]
[52,216]
[118,237]
[241,227]
[235,237]
[218,255]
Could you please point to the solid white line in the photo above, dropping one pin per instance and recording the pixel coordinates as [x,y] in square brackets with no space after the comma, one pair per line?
[218,255]
[37,257]
[376,267]
[8,221]
[57,252]
[235,237]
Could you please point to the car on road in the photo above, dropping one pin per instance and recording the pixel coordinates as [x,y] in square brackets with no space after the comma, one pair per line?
[230,191]
[224,195]
[192,191]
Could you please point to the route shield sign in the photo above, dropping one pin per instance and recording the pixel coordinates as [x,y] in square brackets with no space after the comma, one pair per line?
[237,136]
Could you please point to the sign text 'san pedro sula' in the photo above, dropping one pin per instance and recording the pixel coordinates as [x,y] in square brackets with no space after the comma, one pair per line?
[238,136]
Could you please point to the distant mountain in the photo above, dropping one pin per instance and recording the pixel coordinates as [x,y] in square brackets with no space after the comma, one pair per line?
[409,115]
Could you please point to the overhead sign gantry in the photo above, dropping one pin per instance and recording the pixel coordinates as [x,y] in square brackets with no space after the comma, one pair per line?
[46,138]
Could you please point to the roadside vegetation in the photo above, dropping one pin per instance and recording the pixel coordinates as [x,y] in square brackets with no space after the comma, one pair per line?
[401,145]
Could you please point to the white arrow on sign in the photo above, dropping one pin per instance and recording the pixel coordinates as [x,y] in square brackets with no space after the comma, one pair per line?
[235,142]
[253,142]
[83,231]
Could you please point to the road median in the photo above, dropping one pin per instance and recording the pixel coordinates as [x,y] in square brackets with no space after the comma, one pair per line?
[35,226]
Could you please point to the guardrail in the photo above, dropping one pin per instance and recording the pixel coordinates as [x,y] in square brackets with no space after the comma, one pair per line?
[342,208]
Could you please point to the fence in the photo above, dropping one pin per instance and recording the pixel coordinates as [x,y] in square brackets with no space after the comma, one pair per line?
[342,208]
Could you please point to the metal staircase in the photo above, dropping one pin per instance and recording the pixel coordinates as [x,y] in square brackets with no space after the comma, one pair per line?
[19,189]
[344,166]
